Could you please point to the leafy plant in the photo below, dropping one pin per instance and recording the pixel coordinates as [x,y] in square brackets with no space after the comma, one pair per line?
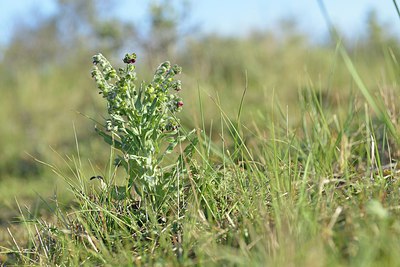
[142,125]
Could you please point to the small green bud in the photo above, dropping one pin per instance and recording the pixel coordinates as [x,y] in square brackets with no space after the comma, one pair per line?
[96,59]
[176,69]
[111,74]
[177,85]
[150,89]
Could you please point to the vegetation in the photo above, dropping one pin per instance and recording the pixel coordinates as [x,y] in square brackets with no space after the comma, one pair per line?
[292,161]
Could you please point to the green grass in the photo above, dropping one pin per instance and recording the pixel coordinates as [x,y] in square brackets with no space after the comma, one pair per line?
[312,195]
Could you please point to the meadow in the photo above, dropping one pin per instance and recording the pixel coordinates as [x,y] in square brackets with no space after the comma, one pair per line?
[284,152]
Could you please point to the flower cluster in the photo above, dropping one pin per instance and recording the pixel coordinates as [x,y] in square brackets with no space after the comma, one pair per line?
[141,118]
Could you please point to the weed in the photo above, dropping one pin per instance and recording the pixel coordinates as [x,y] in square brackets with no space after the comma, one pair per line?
[141,123]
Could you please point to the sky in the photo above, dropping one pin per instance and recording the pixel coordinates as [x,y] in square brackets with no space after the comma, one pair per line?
[233,17]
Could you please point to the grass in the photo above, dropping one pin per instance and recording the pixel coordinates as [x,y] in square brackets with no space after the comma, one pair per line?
[280,177]
[320,194]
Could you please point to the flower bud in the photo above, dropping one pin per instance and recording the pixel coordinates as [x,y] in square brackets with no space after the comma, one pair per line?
[96,59]
[176,69]
[177,85]
[130,58]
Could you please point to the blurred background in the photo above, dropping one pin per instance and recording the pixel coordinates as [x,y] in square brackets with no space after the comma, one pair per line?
[275,48]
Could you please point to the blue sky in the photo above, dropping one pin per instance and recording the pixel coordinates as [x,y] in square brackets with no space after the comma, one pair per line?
[233,17]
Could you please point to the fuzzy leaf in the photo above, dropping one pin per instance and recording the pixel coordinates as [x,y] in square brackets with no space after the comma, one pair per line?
[109,139]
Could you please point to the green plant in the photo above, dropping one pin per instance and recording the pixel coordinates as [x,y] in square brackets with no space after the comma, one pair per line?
[142,125]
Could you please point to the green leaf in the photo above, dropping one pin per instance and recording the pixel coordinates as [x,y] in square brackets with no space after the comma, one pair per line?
[171,140]
[170,147]
[138,103]
[152,108]
[109,139]
[190,147]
